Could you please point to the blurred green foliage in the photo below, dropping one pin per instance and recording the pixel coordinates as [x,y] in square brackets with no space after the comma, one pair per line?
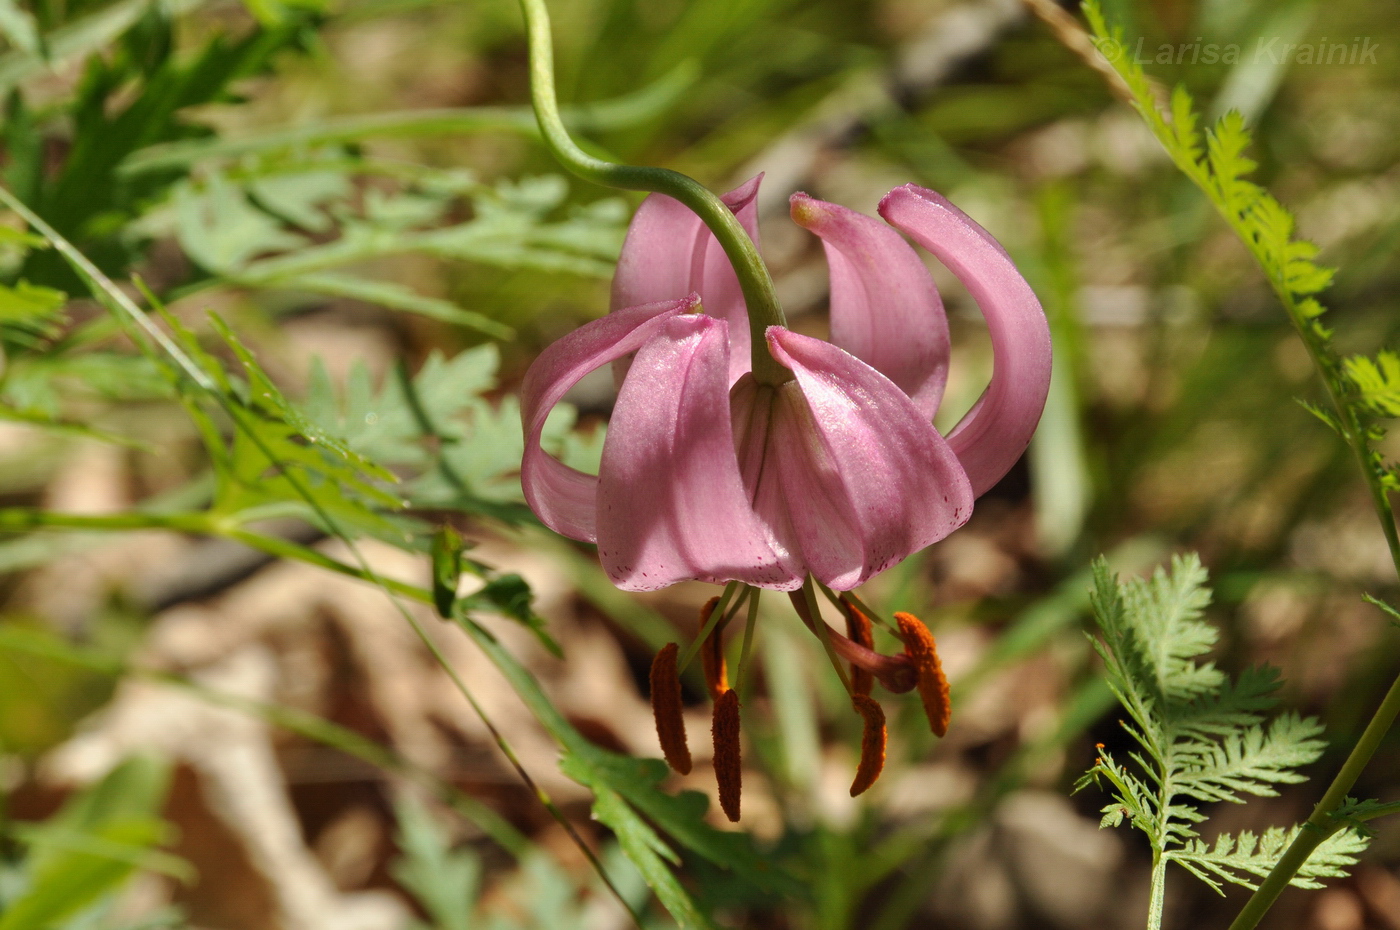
[370,159]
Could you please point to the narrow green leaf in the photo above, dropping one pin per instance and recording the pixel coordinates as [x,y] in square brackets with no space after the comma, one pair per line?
[447,568]
[649,854]
[94,843]
[395,297]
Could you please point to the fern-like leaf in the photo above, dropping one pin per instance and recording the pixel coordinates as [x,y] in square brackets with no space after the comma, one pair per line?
[1233,706]
[1203,738]
[454,446]
[1363,388]
[1166,615]
[1239,859]
[1376,381]
[445,881]
[1152,634]
[1249,761]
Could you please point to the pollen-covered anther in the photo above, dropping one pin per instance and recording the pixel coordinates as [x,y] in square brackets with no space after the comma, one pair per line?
[712,653]
[859,630]
[919,646]
[666,708]
[728,760]
[872,743]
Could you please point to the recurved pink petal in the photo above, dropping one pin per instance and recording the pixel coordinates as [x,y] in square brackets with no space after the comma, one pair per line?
[751,407]
[885,308]
[867,478]
[669,253]
[564,498]
[671,504]
[992,436]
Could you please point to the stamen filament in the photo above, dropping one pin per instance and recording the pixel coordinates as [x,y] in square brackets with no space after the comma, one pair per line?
[708,624]
[859,631]
[738,604]
[818,626]
[896,672]
[873,614]
[712,658]
[749,624]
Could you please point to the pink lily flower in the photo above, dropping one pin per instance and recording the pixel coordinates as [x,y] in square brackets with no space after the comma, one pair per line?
[709,475]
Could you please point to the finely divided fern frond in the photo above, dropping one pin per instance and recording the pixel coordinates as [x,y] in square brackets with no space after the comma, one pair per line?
[1248,761]
[1377,382]
[1202,737]
[1213,745]
[1164,616]
[1236,859]
[1361,389]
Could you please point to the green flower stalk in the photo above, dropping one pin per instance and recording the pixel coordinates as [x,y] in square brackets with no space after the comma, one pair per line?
[754,280]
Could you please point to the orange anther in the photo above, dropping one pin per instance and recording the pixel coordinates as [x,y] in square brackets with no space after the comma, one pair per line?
[712,653]
[859,631]
[666,708]
[728,761]
[919,646]
[872,743]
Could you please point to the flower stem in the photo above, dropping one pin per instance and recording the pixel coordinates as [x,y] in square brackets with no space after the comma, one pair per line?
[754,280]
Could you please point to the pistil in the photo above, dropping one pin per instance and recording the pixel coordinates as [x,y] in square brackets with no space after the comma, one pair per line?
[897,672]
[859,630]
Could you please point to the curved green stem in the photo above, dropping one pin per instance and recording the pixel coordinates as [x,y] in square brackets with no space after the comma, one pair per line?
[754,280]
[749,624]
